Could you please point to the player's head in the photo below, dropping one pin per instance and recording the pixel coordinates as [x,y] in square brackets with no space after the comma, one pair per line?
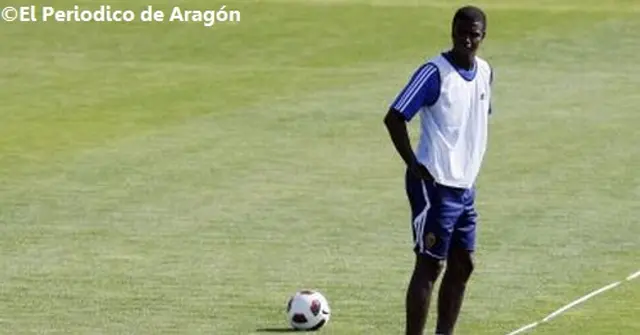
[468,30]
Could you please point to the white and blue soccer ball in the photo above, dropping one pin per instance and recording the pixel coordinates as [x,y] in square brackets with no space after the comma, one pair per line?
[308,310]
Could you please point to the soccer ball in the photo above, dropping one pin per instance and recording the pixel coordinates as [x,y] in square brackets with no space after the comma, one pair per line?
[308,310]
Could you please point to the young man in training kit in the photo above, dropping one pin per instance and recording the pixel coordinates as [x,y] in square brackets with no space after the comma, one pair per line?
[452,94]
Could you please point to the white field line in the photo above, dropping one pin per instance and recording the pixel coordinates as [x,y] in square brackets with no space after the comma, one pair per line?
[573,304]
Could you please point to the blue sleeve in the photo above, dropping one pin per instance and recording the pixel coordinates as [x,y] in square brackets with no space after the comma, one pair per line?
[422,90]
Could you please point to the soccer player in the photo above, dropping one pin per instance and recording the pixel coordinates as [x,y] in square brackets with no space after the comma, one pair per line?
[452,94]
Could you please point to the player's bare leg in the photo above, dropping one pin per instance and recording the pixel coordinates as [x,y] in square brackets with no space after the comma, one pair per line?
[451,295]
[425,273]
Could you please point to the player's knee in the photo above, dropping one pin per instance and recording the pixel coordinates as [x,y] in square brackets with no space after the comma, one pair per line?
[461,265]
[428,267]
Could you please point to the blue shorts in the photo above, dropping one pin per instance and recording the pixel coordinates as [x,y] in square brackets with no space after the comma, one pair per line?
[442,217]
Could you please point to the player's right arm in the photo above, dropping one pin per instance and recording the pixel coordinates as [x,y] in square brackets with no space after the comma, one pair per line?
[397,128]
[423,89]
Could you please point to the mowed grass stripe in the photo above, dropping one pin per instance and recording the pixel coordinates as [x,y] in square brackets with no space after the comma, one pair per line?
[95,102]
[548,6]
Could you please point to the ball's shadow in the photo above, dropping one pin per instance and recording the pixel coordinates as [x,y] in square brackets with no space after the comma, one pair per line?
[278,330]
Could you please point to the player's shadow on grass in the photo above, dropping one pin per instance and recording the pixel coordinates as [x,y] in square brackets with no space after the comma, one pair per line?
[278,330]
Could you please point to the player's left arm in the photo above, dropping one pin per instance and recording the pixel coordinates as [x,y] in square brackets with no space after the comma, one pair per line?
[491,84]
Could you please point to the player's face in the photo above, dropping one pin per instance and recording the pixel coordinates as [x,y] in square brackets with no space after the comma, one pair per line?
[467,36]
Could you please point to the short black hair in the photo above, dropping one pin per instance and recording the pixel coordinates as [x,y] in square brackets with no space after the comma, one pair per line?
[470,13]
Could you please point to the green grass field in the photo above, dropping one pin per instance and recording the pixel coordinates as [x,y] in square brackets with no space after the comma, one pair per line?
[168,178]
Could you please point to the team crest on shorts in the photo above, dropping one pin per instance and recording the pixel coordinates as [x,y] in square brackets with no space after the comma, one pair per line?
[430,240]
